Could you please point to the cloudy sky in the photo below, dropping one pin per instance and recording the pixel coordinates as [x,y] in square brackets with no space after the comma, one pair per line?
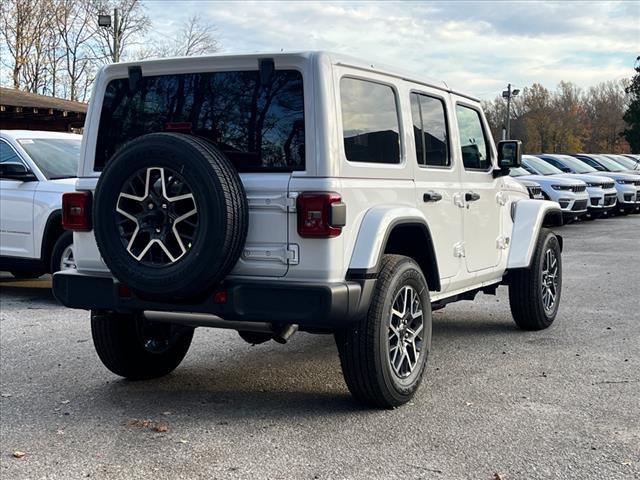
[475,46]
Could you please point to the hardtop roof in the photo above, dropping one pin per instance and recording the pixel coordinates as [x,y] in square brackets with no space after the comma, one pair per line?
[334,58]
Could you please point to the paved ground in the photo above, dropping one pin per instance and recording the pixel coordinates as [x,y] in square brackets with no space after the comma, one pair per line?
[562,403]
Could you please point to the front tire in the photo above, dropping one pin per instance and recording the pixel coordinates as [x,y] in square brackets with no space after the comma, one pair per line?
[134,348]
[384,356]
[534,292]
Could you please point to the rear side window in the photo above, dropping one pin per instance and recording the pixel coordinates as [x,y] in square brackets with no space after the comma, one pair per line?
[260,127]
[369,121]
[473,142]
[430,131]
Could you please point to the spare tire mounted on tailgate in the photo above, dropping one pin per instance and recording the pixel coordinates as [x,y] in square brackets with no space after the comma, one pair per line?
[173,216]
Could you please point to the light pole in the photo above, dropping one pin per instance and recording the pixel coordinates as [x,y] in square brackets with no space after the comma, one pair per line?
[508,94]
[105,22]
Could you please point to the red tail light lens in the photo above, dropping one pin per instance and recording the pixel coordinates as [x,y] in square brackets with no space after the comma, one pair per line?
[320,214]
[76,211]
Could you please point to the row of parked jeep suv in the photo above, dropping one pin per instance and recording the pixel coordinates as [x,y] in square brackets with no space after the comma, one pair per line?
[584,185]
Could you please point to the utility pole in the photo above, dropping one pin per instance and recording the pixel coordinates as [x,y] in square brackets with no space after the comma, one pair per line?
[105,22]
[509,94]
[116,36]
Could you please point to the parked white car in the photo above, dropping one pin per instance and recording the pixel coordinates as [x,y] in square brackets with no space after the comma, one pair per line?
[35,169]
[601,191]
[334,196]
[627,185]
[570,193]
[534,189]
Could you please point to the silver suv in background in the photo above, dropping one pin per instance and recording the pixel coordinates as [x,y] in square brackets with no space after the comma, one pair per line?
[627,184]
[600,194]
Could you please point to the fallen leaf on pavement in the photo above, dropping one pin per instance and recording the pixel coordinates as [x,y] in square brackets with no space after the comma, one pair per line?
[5,395]
[64,402]
[18,454]
[499,476]
[161,428]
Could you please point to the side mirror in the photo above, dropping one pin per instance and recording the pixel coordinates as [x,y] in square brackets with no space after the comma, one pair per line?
[509,156]
[16,171]
[566,169]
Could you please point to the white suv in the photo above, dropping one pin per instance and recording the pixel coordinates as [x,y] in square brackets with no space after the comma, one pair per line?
[36,168]
[310,191]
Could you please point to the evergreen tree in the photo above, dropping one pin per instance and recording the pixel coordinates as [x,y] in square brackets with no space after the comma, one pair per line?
[632,115]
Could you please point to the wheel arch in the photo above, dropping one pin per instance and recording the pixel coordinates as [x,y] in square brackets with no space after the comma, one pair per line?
[529,216]
[52,231]
[396,230]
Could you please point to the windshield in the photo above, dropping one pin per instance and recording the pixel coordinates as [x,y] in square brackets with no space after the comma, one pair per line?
[626,162]
[540,166]
[55,157]
[518,172]
[578,165]
[611,165]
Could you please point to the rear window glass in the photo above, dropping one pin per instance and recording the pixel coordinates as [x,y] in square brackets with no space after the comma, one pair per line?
[430,130]
[369,122]
[260,127]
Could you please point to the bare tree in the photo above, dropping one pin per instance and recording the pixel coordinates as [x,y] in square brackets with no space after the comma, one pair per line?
[133,22]
[21,25]
[73,23]
[195,37]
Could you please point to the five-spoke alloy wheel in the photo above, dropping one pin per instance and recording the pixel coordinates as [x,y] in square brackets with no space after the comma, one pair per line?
[158,216]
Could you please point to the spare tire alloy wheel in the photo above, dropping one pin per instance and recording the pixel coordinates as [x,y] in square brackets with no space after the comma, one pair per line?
[158,216]
[170,216]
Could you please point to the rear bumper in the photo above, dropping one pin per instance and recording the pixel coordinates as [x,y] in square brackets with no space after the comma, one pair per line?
[312,305]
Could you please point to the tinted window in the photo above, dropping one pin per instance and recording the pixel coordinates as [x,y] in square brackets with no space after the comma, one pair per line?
[475,149]
[260,127]
[556,163]
[55,157]
[8,154]
[592,163]
[430,130]
[369,122]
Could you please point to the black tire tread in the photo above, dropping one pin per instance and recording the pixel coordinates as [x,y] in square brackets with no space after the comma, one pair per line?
[56,253]
[235,214]
[524,291]
[115,341]
[361,364]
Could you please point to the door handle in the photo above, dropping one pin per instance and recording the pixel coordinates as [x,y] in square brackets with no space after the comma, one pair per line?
[431,196]
[471,196]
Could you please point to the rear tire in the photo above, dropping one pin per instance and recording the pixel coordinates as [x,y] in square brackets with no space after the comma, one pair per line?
[137,349]
[61,252]
[534,292]
[384,356]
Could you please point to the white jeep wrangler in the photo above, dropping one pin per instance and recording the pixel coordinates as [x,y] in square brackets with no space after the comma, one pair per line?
[301,191]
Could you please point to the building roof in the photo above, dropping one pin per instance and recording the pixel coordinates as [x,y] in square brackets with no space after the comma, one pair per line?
[10,97]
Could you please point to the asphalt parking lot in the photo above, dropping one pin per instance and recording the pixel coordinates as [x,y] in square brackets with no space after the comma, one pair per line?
[496,403]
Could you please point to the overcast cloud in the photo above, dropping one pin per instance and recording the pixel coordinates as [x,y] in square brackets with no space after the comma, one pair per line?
[475,46]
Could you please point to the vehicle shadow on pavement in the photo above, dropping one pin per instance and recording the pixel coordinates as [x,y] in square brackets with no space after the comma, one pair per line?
[301,378]
[36,291]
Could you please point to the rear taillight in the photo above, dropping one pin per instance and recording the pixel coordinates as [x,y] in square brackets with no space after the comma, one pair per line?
[320,214]
[76,211]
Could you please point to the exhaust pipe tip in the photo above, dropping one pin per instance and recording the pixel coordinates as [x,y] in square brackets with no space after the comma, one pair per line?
[284,333]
